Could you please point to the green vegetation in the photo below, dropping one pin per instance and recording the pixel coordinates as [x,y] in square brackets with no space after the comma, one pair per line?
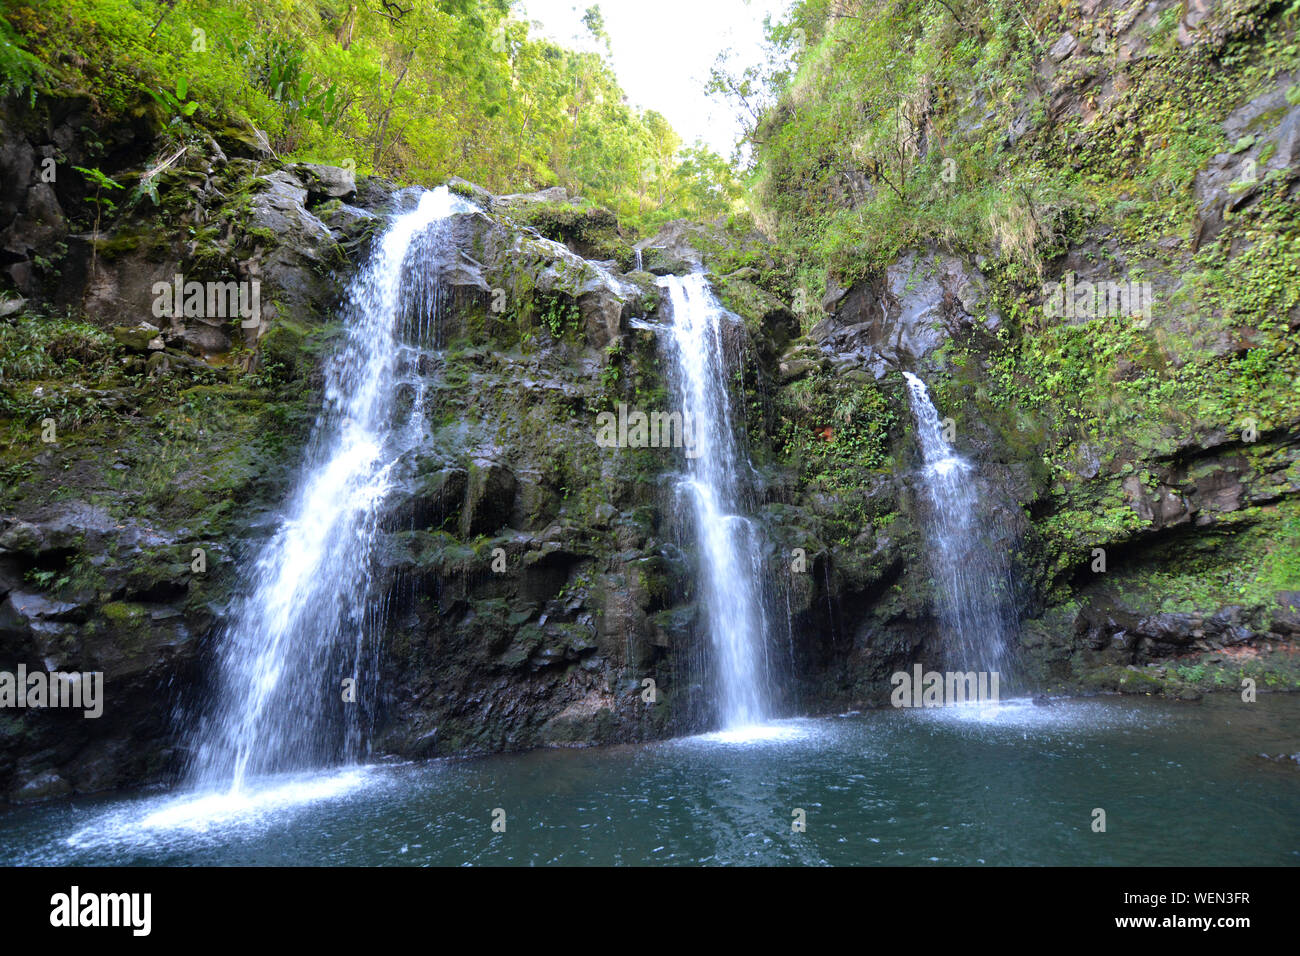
[1245,566]
[19,70]
[905,124]
[101,202]
[913,122]
[418,91]
[32,349]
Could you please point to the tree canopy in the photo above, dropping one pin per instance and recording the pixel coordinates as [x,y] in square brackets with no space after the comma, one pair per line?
[419,90]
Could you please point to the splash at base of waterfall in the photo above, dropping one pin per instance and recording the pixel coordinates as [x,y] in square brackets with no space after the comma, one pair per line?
[189,819]
[757,733]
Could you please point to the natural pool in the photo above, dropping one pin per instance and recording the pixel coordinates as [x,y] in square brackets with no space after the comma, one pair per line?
[1009,784]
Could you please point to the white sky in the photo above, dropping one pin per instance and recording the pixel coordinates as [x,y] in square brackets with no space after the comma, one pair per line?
[663,50]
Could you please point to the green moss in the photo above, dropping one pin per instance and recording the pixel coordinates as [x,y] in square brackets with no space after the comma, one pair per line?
[122,614]
[150,243]
[592,230]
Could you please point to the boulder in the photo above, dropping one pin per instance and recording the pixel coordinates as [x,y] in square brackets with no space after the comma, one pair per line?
[141,338]
[327,182]
[43,786]
[296,266]
[1286,618]
[674,250]
[1063,47]
[471,191]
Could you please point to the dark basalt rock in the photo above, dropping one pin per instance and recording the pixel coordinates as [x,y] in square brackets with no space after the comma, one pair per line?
[489,498]
[899,320]
[1266,135]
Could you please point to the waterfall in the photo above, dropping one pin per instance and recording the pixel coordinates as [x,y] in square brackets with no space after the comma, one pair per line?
[972,575]
[310,620]
[730,596]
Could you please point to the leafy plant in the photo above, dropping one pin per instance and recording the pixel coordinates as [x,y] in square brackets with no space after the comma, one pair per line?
[284,77]
[47,580]
[178,106]
[556,313]
[102,204]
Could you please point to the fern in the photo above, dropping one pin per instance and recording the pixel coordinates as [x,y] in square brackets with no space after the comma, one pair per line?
[19,70]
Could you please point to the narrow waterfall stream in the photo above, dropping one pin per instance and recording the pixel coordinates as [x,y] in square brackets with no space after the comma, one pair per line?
[972,577]
[309,620]
[730,595]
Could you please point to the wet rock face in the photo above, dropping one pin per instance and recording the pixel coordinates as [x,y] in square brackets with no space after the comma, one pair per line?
[489,498]
[496,262]
[674,250]
[898,321]
[1265,133]
[139,632]
[1182,496]
[517,612]
[532,579]
[427,500]
[296,268]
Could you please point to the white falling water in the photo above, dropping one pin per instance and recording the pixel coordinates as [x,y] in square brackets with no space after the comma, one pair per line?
[310,619]
[971,575]
[730,595]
